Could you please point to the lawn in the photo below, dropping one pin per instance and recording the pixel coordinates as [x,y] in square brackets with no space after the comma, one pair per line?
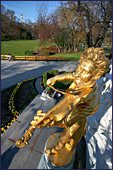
[18,48]
[69,57]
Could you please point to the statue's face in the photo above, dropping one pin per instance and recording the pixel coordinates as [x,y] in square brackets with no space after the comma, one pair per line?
[85,70]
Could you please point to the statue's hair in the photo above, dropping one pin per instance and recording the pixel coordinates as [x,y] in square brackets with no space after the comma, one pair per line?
[96,55]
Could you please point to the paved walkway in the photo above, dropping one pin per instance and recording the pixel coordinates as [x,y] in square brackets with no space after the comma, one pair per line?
[29,156]
[16,71]
[38,85]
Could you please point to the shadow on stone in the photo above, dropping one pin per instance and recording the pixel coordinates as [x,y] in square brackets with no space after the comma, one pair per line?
[80,155]
[8,155]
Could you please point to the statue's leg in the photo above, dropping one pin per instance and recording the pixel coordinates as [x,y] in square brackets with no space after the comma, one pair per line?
[81,131]
[85,131]
[69,137]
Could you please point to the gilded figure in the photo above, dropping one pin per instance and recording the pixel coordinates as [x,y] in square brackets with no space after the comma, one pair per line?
[80,101]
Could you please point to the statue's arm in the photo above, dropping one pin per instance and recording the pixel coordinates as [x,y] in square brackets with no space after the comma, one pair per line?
[61,77]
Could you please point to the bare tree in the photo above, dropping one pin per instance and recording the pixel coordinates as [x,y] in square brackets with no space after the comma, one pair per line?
[47,26]
[94,15]
[106,12]
[75,22]
[11,28]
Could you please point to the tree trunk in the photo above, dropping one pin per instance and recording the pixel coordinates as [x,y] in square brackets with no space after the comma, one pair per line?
[101,35]
[57,47]
[74,44]
[89,39]
[105,25]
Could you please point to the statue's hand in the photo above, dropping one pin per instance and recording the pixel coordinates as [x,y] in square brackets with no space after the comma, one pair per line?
[51,81]
[43,124]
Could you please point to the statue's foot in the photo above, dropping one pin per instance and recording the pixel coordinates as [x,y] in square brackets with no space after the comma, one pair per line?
[51,151]
[70,145]
[55,149]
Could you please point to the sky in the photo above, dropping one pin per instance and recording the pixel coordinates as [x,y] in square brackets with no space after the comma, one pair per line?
[29,8]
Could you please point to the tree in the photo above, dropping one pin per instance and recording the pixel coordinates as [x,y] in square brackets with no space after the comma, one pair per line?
[106,12]
[12,28]
[94,15]
[3,9]
[47,26]
[75,22]
[86,21]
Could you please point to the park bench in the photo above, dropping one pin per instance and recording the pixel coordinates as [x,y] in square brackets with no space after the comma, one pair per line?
[4,57]
[19,58]
[51,59]
[35,58]
[30,58]
[40,58]
[56,58]
[7,57]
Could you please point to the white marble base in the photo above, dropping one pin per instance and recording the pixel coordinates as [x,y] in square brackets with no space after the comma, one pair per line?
[99,129]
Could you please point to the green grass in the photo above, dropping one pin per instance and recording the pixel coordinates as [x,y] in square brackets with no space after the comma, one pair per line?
[70,57]
[18,48]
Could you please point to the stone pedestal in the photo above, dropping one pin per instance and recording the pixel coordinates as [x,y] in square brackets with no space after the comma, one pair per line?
[46,164]
[65,159]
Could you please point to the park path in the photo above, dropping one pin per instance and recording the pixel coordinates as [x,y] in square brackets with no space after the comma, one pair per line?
[16,71]
[29,156]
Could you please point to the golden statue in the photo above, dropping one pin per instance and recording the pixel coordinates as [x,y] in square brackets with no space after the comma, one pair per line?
[80,101]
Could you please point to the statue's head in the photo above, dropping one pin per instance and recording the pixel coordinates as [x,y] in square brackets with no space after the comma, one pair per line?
[93,64]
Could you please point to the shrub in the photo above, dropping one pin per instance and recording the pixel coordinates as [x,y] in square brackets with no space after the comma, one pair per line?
[40,43]
[11,102]
[53,49]
[29,36]
[109,55]
[47,75]
[35,50]
[2,36]
[28,52]
[47,52]
[62,85]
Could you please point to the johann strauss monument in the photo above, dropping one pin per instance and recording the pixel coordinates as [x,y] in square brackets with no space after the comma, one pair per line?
[80,101]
